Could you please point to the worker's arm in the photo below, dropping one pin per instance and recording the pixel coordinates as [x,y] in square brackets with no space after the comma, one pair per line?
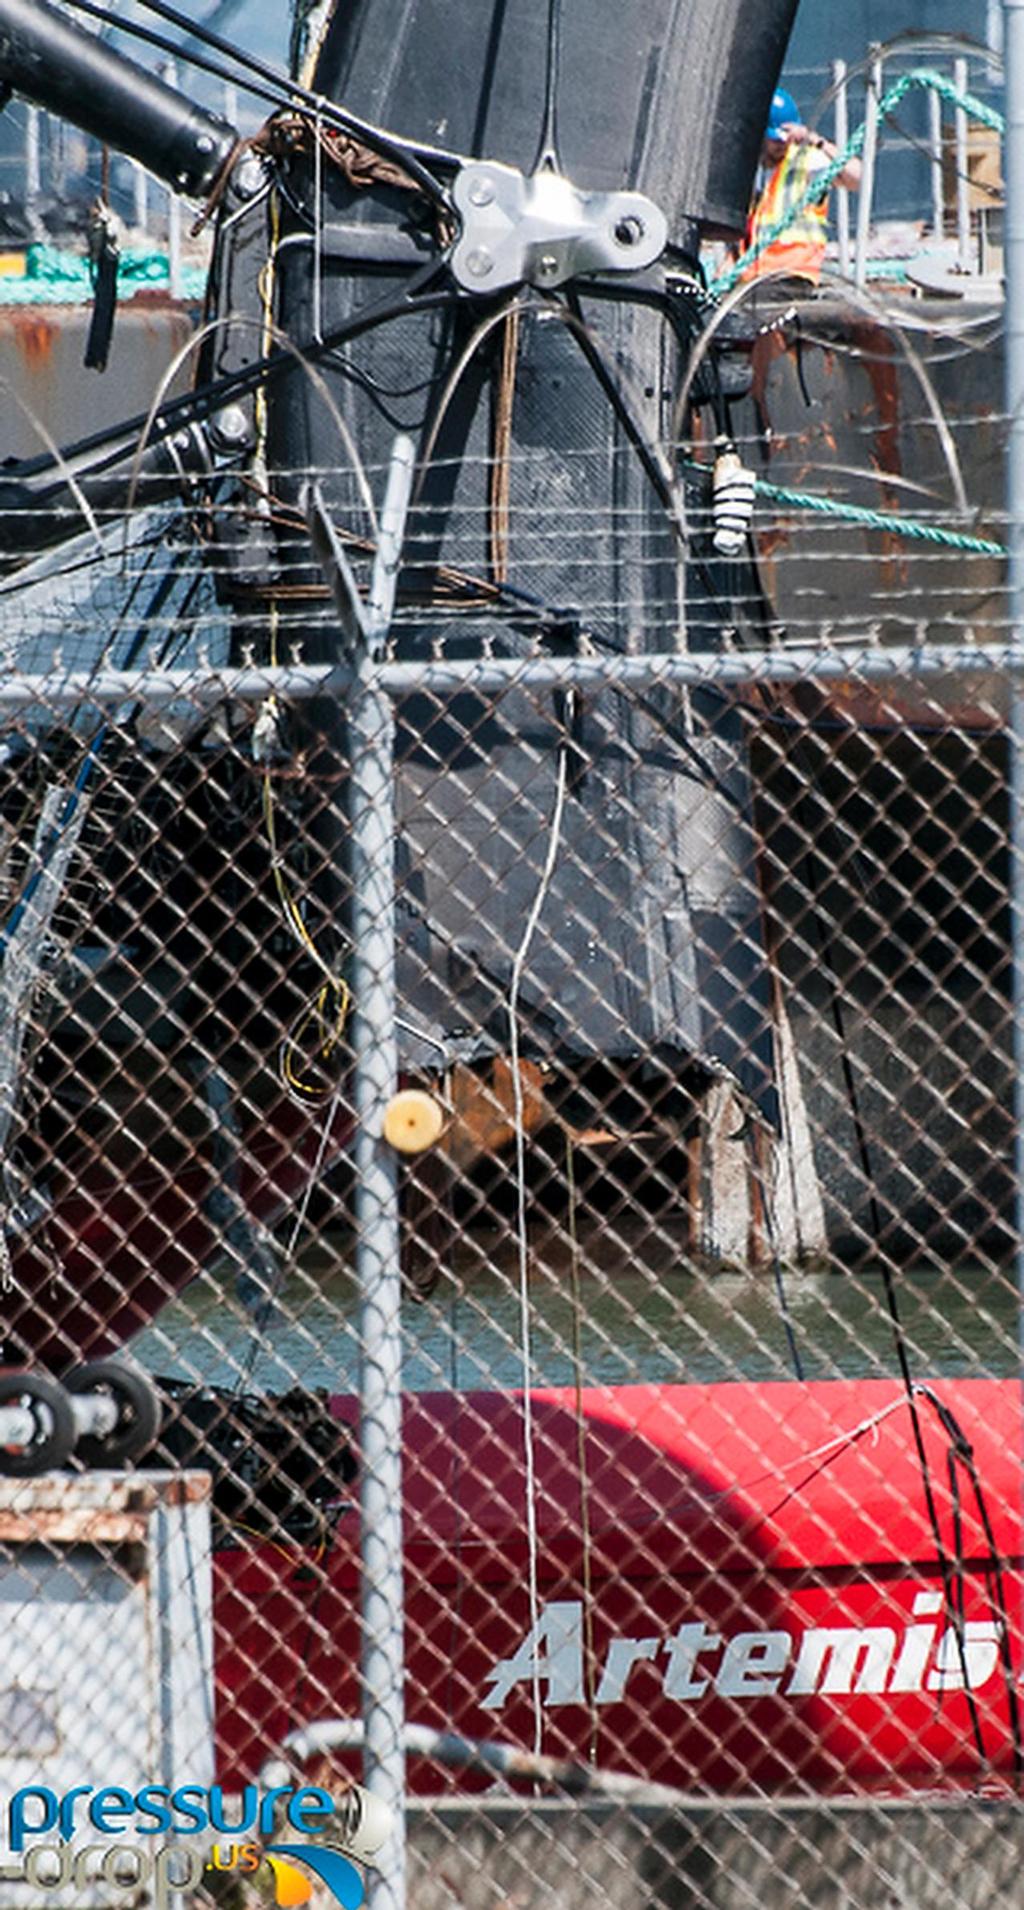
[803,136]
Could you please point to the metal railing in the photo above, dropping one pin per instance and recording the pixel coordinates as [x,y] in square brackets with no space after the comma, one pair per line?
[959,66]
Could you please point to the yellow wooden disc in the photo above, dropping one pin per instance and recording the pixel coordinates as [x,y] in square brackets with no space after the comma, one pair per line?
[413,1121]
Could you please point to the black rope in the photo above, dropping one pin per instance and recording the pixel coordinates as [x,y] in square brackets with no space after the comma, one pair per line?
[960,1455]
[547,159]
[572,315]
[947,1569]
[959,1608]
[375,136]
[959,1450]
[104,258]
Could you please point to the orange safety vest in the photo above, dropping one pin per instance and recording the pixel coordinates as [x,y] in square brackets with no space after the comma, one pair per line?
[800,247]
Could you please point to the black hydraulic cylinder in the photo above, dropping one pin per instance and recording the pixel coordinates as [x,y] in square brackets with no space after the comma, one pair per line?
[40,511]
[55,64]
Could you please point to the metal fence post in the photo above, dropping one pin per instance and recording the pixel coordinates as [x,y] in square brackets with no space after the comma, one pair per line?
[963,209]
[140,200]
[935,164]
[33,171]
[867,184]
[375,1057]
[170,74]
[842,134]
[1014,272]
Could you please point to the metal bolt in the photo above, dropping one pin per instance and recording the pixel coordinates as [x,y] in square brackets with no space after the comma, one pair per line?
[232,425]
[248,178]
[548,265]
[479,262]
[481,191]
[630,231]
[204,144]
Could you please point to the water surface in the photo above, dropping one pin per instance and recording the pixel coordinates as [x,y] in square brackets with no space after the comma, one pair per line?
[612,1313]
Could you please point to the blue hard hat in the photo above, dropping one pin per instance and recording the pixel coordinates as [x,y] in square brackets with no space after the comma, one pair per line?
[783,111]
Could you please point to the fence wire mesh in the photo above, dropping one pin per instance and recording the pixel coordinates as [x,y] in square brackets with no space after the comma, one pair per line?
[704,1016]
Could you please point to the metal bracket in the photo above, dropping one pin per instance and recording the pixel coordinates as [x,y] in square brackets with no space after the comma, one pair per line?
[541,230]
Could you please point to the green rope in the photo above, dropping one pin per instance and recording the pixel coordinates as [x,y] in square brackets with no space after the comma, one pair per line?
[909,527]
[53,275]
[823,179]
[912,527]
[880,520]
[55,263]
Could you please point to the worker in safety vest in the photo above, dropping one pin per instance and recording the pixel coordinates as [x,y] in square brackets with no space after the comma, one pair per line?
[791,155]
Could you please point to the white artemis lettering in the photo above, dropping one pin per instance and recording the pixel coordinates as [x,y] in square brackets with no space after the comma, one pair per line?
[753,1663]
[909,1669]
[683,1652]
[980,1657]
[623,1654]
[559,1630]
[830,1660]
[843,1659]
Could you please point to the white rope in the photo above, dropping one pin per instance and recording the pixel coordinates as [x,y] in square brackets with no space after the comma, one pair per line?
[830,1446]
[314,1176]
[525,1344]
[247,1367]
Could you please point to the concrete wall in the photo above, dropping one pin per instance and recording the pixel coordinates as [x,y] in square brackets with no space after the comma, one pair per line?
[510,1856]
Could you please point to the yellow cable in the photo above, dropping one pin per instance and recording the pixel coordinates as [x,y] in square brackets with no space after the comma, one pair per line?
[265,286]
[292,1553]
[330,1036]
[331,1023]
[334,984]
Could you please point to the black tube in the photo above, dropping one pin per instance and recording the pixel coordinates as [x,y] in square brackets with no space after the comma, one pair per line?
[70,72]
[32,520]
[39,507]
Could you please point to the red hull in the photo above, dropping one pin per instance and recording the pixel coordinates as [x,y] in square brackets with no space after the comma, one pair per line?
[116,1250]
[788,1521]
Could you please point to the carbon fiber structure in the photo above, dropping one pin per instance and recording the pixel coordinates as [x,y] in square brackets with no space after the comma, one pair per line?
[669,97]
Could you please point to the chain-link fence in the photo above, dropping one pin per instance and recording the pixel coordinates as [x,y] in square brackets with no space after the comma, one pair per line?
[511,991]
[528,1073]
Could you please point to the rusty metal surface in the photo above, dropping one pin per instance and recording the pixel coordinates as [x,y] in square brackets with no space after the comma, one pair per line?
[853,408]
[65,1509]
[43,382]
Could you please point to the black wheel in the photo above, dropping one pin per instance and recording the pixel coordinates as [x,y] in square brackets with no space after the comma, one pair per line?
[138,1412]
[53,1419]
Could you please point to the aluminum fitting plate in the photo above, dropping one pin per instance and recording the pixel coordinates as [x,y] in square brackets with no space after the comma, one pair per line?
[541,230]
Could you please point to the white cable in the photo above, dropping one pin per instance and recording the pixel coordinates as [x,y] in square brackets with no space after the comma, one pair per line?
[300,1218]
[526,1354]
[248,1366]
